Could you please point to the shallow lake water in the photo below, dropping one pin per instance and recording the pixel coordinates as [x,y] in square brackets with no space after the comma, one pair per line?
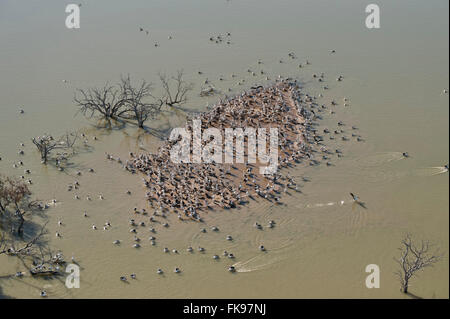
[393,78]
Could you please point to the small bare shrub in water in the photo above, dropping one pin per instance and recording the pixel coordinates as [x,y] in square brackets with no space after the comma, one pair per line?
[413,258]
[46,144]
[175,89]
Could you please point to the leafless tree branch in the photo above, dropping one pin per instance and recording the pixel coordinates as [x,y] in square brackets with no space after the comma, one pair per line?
[108,101]
[137,101]
[175,89]
[413,258]
[46,144]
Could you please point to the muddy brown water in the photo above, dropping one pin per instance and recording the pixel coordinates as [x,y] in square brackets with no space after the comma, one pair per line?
[393,79]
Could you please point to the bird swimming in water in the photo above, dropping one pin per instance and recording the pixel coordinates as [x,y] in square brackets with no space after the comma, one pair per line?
[405,154]
[357,201]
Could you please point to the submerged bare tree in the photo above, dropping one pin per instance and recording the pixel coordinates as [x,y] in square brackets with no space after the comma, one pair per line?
[46,144]
[26,246]
[125,101]
[13,192]
[175,89]
[138,103]
[14,197]
[108,101]
[414,258]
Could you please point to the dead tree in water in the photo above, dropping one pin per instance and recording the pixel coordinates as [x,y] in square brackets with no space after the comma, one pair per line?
[128,102]
[46,144]
[137,103]
[13,192]
[14,195]
[174,94]
[414,258]
[108,101]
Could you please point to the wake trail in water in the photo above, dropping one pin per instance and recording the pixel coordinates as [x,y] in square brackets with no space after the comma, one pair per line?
[247,267]
[382,158]
[318,205]
[431,171]
[357,220]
